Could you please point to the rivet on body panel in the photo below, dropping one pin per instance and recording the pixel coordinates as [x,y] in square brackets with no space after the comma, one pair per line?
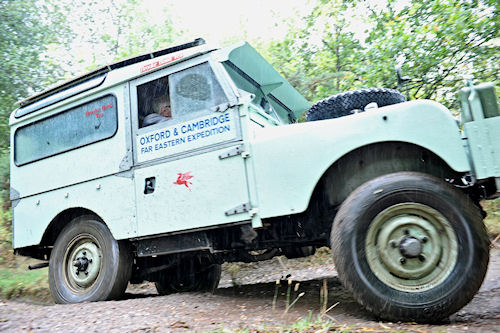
[98,187]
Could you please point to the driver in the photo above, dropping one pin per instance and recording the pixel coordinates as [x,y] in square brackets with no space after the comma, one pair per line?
[161,112]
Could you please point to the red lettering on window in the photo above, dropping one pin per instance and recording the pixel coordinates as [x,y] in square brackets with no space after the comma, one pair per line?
[104,107]
[97,111]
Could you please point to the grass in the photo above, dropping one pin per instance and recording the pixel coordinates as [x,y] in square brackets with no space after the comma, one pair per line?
[15,283]
[310,324]
[492,220]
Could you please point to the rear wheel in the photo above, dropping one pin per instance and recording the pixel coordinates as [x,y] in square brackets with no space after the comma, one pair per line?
[191,274]
[410,247]
[87,264]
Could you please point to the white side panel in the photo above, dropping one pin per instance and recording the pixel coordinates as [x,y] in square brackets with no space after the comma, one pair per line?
[112,198]
[191,192]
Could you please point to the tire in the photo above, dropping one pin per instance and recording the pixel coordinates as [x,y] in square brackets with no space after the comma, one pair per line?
[410,247]
[192,274]
[344,104]
[293,252]
[105,264]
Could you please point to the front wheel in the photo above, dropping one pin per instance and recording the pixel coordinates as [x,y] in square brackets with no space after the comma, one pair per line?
[87,264]
[410,247]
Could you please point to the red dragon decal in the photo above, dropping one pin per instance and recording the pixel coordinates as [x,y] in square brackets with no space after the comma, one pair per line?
[183,179]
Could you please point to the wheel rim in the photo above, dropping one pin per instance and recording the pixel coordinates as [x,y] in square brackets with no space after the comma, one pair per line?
[82,262]
[411,247]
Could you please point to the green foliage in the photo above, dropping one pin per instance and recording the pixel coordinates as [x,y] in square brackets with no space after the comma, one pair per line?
[6,253]
[16,283]
[492,220]
[320,58]
[4,178]
[442,41]
[111,30]
[27,28]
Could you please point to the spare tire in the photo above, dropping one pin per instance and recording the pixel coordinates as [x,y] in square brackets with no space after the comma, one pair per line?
[345,103]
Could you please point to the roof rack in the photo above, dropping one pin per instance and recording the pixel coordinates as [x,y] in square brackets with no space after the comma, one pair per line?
[103,70]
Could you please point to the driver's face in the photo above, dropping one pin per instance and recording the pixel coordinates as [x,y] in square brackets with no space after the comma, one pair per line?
[165,110]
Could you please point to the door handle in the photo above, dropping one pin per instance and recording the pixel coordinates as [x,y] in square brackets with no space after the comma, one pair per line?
[149,186]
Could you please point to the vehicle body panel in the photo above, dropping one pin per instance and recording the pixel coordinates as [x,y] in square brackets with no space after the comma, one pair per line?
[191,192]
[305,151]
[32,215]
[483,137]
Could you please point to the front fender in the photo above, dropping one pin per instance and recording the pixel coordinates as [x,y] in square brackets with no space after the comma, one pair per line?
[289,160]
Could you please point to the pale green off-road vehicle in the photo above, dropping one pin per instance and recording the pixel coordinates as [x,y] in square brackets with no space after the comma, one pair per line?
[108,197]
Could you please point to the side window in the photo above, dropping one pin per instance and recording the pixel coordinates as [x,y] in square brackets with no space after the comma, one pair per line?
[195,91]
[154,102]
[76,127]
[179,97]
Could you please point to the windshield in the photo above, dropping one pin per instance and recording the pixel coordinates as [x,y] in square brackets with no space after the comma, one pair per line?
[247,84]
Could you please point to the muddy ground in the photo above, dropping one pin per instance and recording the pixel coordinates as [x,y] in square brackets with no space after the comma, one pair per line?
[244,300]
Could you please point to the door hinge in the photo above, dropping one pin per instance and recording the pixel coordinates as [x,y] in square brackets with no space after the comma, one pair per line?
[232,152]
[244,207]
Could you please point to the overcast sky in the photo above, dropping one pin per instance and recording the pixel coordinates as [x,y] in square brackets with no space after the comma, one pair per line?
[219,21]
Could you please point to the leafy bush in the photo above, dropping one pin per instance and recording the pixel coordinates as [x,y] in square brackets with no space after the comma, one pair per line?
[492,220]
[6,254]
[4,179]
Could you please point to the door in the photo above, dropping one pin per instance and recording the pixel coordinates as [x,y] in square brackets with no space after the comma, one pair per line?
[187,169]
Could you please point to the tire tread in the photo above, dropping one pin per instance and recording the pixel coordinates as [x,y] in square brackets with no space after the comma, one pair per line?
[344,104]
[342,231]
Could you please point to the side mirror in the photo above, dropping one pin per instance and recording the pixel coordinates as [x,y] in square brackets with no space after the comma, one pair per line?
[402,80]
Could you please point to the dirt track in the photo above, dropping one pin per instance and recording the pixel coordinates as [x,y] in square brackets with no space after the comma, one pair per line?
[247,305]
